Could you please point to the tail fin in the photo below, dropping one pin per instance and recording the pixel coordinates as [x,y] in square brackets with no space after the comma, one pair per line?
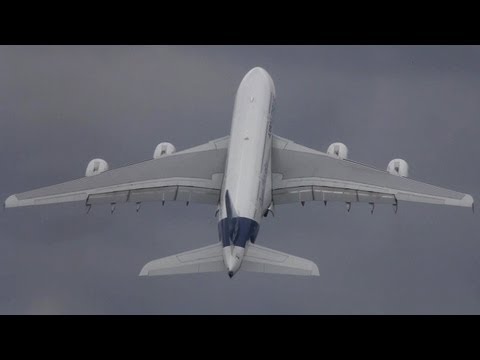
[265,260]
[205,259]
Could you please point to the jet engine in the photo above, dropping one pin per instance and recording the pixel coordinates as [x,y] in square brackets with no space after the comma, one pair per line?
[398,167]
[162,149]
[95,167]
[338,150]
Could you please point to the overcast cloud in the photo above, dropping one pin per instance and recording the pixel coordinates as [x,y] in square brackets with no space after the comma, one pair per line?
[62,106]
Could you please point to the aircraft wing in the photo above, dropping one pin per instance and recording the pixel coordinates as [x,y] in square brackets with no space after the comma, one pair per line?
[192,175]
[302,174]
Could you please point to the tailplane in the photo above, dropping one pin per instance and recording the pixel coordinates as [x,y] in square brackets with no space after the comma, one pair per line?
[210,259]
[265,260]
[205,259]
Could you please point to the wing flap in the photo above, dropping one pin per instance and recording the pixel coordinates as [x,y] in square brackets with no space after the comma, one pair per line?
[319,193]
[167,193]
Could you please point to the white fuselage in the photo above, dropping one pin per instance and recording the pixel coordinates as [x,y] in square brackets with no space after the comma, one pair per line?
[247,177]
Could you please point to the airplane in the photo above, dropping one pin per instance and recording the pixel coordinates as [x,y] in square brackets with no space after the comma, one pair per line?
[245,175]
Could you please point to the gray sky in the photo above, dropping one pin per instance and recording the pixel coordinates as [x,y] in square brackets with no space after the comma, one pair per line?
[62,106]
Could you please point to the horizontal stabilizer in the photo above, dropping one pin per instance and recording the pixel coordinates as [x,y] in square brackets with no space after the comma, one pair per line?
[262,259]
[205,259]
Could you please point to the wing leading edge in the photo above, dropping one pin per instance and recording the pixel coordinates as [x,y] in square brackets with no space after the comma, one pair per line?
[192,175]
[302,174]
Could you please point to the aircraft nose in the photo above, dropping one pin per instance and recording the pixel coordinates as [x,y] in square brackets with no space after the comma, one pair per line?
[258,72]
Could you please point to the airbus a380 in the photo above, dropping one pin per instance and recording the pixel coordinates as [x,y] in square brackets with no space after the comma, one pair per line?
[244,175]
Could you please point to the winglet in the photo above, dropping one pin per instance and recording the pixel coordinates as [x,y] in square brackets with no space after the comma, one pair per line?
[467,200]
[11,201]
[144,271]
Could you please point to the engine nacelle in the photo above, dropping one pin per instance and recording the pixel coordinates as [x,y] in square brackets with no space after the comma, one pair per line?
[95,167]
[162,149]
[398,167]
[338,150]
